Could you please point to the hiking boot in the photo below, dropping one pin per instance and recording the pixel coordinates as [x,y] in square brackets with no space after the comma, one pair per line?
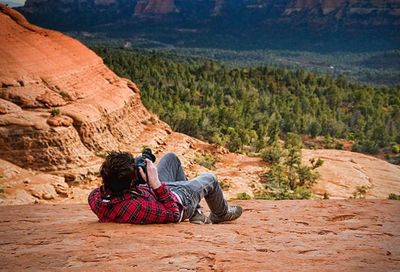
[199,218]
[234,212]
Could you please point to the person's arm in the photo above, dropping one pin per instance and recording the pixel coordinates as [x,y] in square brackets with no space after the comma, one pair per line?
[155,209]
[164,209]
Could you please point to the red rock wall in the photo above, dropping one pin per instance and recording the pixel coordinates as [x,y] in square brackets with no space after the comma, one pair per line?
[344,6]
[43,70]
[154,7]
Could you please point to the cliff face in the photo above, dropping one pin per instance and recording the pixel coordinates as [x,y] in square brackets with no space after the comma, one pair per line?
[60,104]
[244,24]
[144,7]
[314,10]
[62,109]
[349,13]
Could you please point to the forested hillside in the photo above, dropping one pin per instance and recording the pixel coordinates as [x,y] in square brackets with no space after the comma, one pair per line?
[245,107]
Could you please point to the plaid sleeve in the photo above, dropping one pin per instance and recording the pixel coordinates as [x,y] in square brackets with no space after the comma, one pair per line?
[93,200]
[164,195]
[164,209]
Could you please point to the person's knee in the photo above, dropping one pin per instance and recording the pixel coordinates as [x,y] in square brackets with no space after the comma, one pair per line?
[210,176]
[170,156]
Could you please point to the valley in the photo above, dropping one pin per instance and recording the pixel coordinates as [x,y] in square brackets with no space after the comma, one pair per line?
[63,106]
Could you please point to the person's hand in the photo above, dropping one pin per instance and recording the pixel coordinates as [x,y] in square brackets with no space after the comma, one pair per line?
[152,173]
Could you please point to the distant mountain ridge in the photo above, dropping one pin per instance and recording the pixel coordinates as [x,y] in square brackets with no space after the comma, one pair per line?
[12,4]
[283,24]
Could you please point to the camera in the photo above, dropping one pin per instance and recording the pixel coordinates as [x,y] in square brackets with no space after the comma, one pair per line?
[140,162]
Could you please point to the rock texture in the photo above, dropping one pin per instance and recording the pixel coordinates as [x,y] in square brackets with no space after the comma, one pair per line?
[343,7]
[315,11]
[62,109]
[144,7]
[344,171]
[45,73]
[357,235]
[20,186]
[326,25]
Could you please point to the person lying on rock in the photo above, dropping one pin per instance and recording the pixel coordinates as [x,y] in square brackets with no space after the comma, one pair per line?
[132,192]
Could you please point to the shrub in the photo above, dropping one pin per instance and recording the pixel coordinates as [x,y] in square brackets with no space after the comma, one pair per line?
[394,159]
[282,193]
[217,139]
[360,192]
[368,147]
[394,196]
[339,146]
[208,161]
[273,153]
[301,193]
[265,197]
[65,95]
[234,143]
[396,149]
[314,129]
[288,177]
[332,143]
[55,112]
[306,176]
[316,163]
[243,196]
[225,184]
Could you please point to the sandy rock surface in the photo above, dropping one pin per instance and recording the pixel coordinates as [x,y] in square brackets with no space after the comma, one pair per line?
[20,186]
[330,235]
[344,171]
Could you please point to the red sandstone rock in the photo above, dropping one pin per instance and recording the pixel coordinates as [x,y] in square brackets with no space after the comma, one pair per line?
[332,235]
[43,69]
[344,171]
[99,112]
[58,121]
[20,186]
[340,6]
[8,107]
[144,7]
[96,110]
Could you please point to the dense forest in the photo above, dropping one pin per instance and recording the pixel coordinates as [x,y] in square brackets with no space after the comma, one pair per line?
[246,108]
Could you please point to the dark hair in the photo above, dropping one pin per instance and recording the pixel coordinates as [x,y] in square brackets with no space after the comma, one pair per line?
[118,171]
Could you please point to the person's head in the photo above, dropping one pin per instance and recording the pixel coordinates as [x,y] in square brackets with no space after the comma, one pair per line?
[118,171]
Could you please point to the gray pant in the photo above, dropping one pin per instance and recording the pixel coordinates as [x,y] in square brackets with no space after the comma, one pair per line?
[192,191]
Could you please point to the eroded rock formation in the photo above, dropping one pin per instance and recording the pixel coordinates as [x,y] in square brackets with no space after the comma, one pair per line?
[60,105]
[144,7]
[345,173]
[304,25]
[381,12]
[62,109]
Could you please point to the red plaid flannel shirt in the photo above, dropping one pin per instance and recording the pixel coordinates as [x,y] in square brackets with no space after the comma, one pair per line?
[140,206]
